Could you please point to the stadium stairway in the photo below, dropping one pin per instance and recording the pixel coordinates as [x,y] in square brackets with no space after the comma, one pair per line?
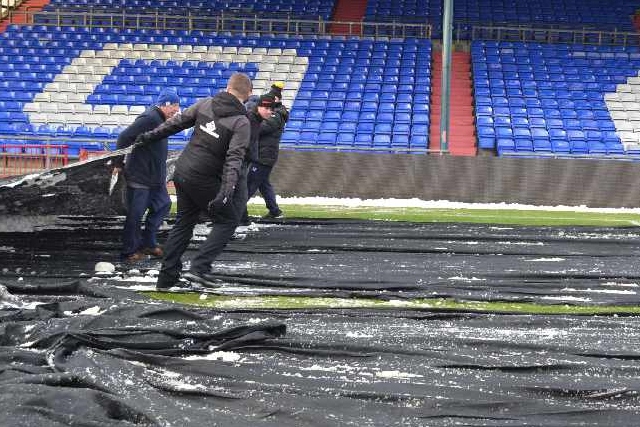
[18,15]
[348,11]
[462,141]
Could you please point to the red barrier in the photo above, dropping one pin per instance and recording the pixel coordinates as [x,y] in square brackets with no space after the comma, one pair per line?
[20,159]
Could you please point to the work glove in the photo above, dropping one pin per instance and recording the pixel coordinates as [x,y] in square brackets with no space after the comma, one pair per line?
[221,201]
[142,139]
[284,113]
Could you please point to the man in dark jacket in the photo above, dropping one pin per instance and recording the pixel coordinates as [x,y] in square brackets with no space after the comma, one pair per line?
[145,172]
[210,175]
[259,109]
[268,148]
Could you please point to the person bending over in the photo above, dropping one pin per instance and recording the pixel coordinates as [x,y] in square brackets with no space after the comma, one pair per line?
[145,173]
[210,175]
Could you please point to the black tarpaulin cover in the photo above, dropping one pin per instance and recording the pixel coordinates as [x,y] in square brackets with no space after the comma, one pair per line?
[93,355]
[88,351]
[550,265]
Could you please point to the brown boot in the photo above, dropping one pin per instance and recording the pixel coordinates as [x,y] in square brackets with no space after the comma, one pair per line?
[135,257]
[154,252]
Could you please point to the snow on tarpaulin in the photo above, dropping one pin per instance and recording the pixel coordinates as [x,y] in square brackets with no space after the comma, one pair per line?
[563,265]
[89,354]
[81,350]
[80,189]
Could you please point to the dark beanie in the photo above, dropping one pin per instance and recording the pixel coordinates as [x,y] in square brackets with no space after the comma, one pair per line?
[267,100]
[276,89]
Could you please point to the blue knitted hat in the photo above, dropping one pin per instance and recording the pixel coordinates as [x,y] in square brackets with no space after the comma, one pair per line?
[167,97]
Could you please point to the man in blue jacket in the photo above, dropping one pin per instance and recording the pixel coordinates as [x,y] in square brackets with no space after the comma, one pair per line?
[145,171]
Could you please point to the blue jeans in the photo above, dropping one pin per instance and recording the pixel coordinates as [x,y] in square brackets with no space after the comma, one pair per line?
[258,179]
[140,200]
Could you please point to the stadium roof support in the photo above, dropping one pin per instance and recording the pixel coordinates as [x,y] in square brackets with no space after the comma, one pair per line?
[447,30]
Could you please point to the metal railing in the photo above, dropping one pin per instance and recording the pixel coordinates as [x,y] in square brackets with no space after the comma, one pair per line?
[20,159]
[222,22]
[555,35]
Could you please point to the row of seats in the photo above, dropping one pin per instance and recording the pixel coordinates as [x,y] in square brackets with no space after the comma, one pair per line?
[612,15]
[321,8]
[549,99]
[374,90]
[37,35]
[386,105]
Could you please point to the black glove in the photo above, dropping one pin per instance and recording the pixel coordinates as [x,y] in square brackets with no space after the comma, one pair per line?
[284,113]
[142,139]
[221,201]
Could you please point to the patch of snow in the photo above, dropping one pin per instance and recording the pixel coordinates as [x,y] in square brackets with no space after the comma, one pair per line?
[25,178]
[601,291]
[465,279]
[552,259]
[521,243]
[355,334]
[622,285]
[147,279]
[565,298]
[92,311]
[435,204]
[396,374]
[225,356]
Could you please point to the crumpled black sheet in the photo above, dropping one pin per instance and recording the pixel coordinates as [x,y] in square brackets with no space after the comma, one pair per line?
[389,260]
[80,188]
[83,352]
[93,355]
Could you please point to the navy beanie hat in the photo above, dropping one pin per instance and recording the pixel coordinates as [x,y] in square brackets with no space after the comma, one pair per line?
[167,97]
[267,100]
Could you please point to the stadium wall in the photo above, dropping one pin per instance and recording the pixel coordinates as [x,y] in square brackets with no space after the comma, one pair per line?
[534,181]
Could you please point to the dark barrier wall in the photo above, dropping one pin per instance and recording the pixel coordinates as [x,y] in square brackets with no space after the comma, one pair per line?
[535,181]
[82,189]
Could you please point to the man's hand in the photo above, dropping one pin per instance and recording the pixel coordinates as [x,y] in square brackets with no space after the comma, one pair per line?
[221,201]
[142,139]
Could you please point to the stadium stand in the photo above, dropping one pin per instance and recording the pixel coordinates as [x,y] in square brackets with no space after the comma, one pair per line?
[284,8]
[78,76]
[558,98]
[95,81]
[575,14]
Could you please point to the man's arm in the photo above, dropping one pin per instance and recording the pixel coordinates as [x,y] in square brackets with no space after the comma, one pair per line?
[128,136]
[175,124]
[273,124]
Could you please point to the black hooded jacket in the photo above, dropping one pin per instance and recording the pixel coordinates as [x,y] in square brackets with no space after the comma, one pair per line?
[219,141]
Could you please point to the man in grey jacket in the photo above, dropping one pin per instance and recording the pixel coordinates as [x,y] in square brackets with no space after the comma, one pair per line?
[210,176]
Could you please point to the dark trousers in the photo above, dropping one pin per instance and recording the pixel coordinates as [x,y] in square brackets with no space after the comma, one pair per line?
[156,202]
[193,198]
[258,179]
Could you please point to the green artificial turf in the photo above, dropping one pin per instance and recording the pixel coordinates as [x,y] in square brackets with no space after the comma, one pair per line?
[296,302]
[482,216]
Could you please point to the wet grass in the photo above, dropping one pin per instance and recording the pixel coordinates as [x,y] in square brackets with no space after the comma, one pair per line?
[440,304]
